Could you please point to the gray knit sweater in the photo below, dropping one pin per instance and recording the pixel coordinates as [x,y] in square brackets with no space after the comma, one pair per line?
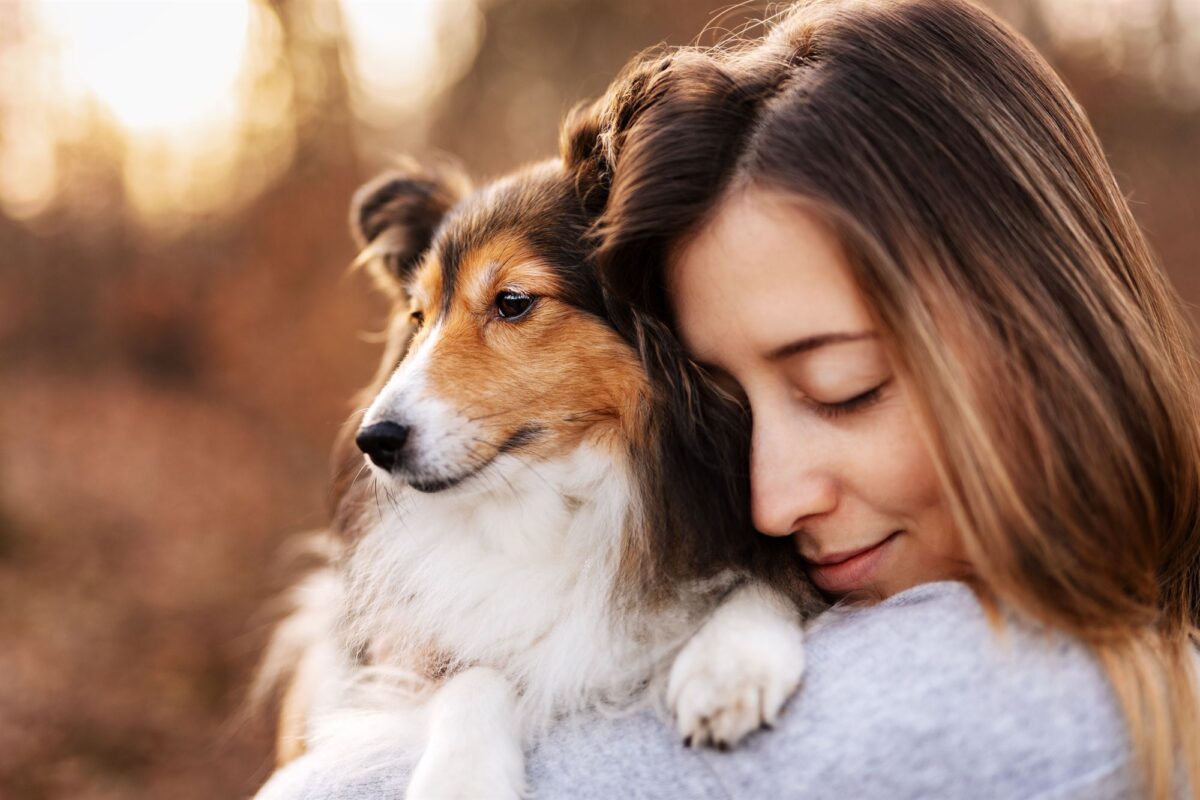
[917,697]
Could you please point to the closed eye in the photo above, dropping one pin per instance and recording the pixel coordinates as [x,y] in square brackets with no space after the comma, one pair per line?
[853,404]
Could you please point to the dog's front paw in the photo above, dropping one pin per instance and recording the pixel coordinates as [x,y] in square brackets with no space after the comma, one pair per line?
[474,748]
[736,673]
[444,779]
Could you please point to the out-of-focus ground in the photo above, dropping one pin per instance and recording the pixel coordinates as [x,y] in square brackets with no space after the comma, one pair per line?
[179,338]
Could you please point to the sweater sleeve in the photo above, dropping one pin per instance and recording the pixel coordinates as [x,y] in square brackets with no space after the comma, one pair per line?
[916,697]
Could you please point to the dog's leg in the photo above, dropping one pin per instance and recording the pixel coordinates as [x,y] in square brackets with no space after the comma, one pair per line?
[474,748]
[739,669]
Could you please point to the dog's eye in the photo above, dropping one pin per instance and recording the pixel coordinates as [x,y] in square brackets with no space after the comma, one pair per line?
[513,305]
[417,318]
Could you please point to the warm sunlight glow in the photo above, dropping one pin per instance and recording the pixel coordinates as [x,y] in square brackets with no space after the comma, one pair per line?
[152,65]
[405,53]
[163,96]
[192,107]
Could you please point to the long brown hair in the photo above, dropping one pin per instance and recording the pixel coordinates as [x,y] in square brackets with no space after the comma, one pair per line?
[1054,367]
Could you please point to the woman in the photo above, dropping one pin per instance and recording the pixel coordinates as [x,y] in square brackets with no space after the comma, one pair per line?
[888,230]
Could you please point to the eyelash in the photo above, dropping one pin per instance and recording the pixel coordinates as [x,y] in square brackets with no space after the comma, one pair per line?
[856,403]
[726,385]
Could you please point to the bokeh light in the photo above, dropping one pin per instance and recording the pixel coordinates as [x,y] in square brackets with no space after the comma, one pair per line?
[193,103]
[403,54]
[155,66]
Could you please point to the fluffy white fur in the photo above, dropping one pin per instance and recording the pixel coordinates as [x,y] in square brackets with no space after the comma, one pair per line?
[515,577]
[514,570]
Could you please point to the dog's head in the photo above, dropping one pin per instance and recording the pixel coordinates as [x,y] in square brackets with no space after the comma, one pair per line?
[501,342]
[505,349]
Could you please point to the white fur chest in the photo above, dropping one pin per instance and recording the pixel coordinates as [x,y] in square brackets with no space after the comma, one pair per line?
[514,572]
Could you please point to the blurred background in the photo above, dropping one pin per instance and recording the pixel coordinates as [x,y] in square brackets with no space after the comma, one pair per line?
[179,336]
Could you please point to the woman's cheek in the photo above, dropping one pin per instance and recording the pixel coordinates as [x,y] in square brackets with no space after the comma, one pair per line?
[910,487]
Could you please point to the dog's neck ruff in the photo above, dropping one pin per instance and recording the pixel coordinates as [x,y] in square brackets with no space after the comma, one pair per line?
[516,571]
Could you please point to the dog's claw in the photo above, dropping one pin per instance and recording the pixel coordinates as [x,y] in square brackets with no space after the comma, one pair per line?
[736,673]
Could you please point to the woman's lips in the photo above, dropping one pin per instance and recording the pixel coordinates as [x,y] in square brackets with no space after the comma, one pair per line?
[853,569]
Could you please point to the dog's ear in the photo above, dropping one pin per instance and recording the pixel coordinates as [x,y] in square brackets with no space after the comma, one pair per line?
[593,134]
[579,134]
[393,217]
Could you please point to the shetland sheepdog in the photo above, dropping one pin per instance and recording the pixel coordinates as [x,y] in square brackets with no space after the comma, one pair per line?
[530,521]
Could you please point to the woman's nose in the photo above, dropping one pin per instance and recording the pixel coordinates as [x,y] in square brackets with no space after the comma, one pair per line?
[788,487]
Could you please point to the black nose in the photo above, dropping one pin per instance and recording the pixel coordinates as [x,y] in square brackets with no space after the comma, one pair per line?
[383,443]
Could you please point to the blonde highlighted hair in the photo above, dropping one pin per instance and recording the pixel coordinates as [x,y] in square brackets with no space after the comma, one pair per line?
[1055,367]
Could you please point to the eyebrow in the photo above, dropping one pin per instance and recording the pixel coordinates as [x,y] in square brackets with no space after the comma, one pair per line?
[813,342]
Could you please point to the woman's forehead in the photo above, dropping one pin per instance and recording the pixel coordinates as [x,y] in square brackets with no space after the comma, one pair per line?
[763,272]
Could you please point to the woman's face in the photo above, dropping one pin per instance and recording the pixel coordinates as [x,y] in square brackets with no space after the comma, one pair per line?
[765,300]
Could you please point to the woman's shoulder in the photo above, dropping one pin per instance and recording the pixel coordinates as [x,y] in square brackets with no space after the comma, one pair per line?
[919,696]
[933,699]
[933,651]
